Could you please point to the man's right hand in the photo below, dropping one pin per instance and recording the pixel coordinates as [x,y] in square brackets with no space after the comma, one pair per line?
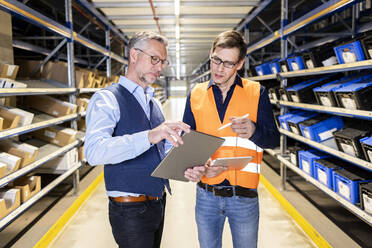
[168,130]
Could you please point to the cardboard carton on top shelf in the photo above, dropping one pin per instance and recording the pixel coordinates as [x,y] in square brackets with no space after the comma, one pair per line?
[28,185]
[10,119]
[8,71]
[6,38]
[56,71]
[2,169]
[12,162]
[10,199]
[56,135]
[25,117]
[63,162]
[51,105]
[26,152]
[26,67]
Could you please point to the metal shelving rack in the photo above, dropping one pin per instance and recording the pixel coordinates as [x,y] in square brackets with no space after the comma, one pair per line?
[324,10]
[20,10]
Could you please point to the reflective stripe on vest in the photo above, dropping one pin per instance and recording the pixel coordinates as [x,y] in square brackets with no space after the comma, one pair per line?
[244,100]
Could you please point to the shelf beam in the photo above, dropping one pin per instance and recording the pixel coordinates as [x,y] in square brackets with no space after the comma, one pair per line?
[36,126]
[364,114]
[35,91]
[200,76]
[360,162]
[352,208]
[316,14]
[24,206]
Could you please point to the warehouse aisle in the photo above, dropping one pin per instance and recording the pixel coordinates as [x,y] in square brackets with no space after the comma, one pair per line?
[90,226]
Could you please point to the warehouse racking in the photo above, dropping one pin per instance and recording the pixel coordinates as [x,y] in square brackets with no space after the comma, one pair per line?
[288,32]
[65,35]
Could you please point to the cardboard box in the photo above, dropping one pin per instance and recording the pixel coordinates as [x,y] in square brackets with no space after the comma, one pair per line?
[114,79]
[10,119]
[26,67]
[28,185]
[51,105]
[10,199]
[89,79]
[8,71]
[56,71]
[12,162]
[26,152]
[6,38]
[2,169]
[81,124]
[10,83]
[63,162]
[25,117]
[81,155]
[57,135]
[82,104]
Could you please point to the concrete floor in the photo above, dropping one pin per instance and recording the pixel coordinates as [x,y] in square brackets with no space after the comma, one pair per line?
[90,227]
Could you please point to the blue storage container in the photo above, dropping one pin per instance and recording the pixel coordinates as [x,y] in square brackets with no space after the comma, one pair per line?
[351,52]
[325,94]
[324,168]
[296,63]
[346,183]
[295,120]
[274,67]
[283,65]
[303,92]
[355,96]
[307,158]
[321,127]
[263,69]
[367,147]
[283,119]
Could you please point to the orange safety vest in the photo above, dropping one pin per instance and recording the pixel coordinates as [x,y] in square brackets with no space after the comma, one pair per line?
[244,100]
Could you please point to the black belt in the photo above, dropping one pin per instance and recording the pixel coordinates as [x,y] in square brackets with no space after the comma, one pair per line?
[229,191]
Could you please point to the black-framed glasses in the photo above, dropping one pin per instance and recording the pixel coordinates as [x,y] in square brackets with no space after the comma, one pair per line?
[228,64]
[154,59]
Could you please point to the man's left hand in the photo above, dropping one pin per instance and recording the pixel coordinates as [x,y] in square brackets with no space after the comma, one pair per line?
[244,127]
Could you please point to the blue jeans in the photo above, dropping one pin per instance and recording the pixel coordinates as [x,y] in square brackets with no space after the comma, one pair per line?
[137,224]
[211,212]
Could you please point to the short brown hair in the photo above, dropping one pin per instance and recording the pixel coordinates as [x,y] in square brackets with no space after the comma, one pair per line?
[231,39]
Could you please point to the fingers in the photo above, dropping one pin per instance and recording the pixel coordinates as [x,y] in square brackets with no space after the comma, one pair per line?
[194,174]
[178,126]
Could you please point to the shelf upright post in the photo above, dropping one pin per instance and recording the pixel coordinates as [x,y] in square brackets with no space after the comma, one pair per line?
[246,36]
[71,75]
[108,47]
[283,51]
[167,87]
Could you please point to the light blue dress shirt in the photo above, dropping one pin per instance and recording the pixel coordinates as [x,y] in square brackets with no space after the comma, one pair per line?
[103,114]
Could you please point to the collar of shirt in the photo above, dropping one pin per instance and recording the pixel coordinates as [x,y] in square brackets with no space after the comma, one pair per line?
[135,89]
[237,81]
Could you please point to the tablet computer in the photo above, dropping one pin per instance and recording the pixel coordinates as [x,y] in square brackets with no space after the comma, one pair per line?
[232,162]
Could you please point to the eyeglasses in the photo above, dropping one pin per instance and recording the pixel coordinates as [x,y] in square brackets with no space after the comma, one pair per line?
[228,64]
[155,59]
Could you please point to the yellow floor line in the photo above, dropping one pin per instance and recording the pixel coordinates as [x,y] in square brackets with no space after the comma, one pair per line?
[318,239]
[56,228]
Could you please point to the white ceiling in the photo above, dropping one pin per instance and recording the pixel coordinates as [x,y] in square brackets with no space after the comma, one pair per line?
[199,22]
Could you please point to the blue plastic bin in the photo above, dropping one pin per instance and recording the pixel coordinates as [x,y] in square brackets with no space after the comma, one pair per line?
[355,96]
[263,69]
[349,53]
[367,147]
[295,120]
[283,119]
[324,168]
[275,67]
[307,158]
[296,63]
[346,183]
[321,127]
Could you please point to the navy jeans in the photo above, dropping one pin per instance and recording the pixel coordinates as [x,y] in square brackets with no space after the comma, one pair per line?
[137,224]
[211,212]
